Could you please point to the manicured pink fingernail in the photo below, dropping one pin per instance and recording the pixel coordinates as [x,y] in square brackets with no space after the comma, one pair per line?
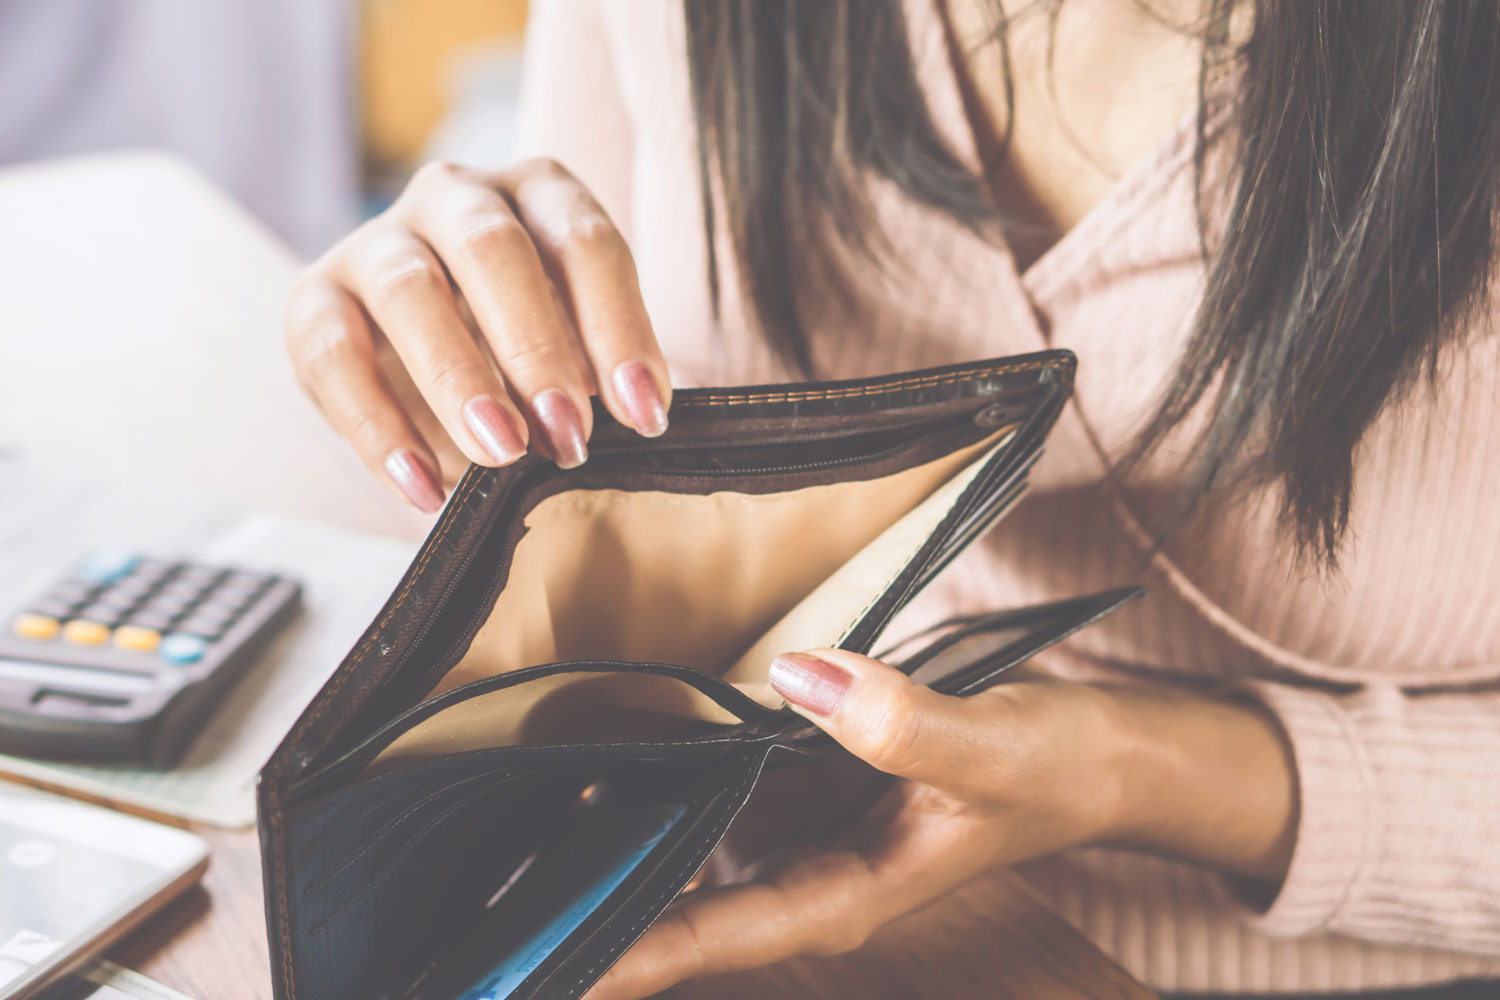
[641,397]
[564,428]
[814,684]
[493,430]
[411,476]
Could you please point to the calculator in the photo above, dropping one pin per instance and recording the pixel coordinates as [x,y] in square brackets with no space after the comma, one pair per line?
[122,658]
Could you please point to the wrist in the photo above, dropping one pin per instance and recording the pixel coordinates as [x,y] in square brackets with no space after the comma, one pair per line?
[1199,778]
[1097,791]
[1117,756]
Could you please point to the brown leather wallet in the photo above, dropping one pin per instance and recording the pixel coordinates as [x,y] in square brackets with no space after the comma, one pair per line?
[564,706]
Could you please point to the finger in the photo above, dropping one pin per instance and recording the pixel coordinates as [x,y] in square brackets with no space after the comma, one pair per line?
[825,903]
[877,713]
[332,352]
[593,267]
[492,260]
[405,290]
[451,462]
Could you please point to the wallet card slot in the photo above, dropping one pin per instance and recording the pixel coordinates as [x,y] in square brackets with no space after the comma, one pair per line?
[420,809]
[371,887]
[1049,624]
[383,918]
[480,872]
[566,962]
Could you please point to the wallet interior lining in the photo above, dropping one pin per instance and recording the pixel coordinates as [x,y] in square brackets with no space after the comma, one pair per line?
[720,582]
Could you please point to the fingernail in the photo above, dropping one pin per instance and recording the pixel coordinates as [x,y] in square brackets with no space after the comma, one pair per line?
[641,397]
[814,684]
[411,476]
[493,430]
[564,429]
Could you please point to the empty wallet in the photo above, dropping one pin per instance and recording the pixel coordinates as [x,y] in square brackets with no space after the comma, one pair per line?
[563,707]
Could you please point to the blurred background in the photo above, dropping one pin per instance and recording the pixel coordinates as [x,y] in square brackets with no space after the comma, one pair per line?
[312,113]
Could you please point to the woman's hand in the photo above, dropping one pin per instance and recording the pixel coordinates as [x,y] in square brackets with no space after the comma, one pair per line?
[472,320]
[1024,769]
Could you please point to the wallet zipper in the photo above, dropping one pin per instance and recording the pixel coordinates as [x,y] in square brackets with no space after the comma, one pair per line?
[990,417]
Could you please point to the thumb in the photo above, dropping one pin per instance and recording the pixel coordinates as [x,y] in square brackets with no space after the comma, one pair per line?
[876,713]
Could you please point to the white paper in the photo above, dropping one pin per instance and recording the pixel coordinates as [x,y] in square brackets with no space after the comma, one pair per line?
[116,982]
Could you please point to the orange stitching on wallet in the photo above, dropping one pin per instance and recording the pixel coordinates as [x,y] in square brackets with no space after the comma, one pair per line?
[318,703]
[790,396]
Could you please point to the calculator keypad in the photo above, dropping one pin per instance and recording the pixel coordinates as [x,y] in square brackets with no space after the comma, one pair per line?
[171,610]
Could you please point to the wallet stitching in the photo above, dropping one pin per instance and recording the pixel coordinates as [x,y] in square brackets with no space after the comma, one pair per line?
[853,391]
[648,916]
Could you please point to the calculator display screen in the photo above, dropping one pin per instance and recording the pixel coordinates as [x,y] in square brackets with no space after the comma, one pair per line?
[69,872]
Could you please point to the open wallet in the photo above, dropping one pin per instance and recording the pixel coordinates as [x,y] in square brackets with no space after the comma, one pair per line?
[563,707]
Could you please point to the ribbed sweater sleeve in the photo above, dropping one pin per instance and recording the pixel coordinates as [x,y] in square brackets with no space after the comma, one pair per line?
[1399,835]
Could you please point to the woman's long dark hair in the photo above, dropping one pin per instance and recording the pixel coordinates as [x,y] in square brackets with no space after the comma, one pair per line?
[1360,231]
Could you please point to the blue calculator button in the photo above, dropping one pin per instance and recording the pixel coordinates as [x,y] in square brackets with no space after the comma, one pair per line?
[108,565]
[182,649]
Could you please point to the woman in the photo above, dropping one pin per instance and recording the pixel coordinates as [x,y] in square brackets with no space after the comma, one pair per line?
[1266,228]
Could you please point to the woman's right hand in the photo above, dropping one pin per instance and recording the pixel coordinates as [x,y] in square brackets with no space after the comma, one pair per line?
[473,320]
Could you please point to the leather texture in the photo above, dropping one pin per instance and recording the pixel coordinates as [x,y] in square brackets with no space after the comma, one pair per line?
[390,875]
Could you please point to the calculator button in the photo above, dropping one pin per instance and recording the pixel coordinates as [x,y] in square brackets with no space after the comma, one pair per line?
[132,585]
[214,612]
[167,604]
[183,649]
[156,620]
[242,581]
[75,590]
[115,598]
[137,638]
[103,614]
[221,606]
[35,626]
[108,565]
[204,576]
[52,607]
[211,630]
[83,632]
[183,589]
[149,571]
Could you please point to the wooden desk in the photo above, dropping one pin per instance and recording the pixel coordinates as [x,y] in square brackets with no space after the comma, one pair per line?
[140,337]
[993,940]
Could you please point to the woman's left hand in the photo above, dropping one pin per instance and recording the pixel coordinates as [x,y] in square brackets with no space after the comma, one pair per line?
[1021,770]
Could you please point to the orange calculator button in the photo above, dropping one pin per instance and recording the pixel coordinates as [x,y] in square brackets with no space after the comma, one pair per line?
[143,640]
[86,633]
[31,626]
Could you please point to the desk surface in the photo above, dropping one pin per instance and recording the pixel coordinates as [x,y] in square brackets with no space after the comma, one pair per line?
[157,302]
[991,941]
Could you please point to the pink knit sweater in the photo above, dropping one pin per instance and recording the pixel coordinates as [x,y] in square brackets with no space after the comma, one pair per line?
[1386,677]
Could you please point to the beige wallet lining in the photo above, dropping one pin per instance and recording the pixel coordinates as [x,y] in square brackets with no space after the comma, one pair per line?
[721,582]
